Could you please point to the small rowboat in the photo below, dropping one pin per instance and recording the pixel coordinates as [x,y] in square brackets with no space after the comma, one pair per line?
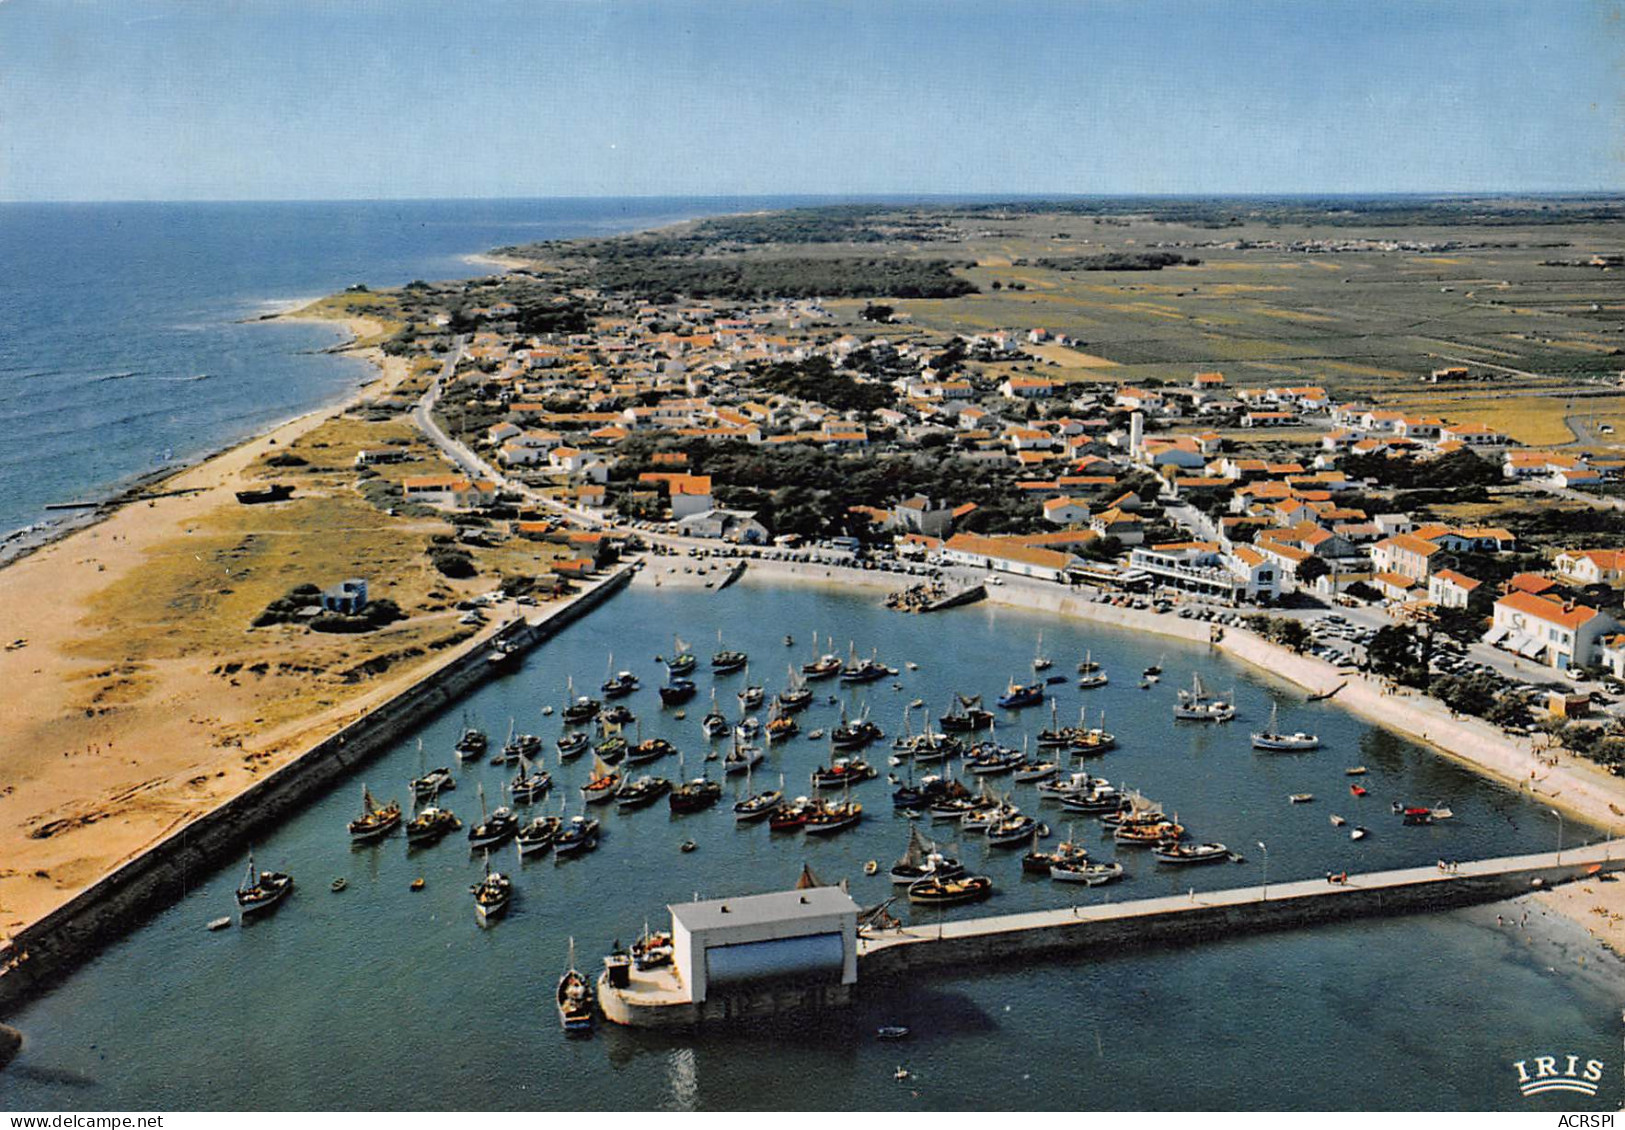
[1357,790]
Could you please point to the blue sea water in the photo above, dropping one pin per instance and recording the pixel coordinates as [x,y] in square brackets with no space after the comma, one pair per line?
[122,332]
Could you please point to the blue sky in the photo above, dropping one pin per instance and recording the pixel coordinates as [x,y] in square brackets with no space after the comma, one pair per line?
[286,99]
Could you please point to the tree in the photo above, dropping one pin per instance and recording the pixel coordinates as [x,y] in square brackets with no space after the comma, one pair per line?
[1311,570]
[1292,633]
[1394,653]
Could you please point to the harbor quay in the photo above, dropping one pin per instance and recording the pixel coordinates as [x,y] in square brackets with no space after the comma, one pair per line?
[763,955]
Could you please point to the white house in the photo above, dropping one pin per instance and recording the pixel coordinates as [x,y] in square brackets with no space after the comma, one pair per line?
[1558,633]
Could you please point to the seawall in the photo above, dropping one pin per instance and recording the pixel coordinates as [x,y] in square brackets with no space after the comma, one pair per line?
[51,947]
[1104,929]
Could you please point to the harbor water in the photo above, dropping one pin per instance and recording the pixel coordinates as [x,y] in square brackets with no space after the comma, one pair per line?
[382,997]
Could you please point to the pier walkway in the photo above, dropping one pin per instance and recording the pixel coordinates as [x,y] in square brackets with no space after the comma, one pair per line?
[1107,927]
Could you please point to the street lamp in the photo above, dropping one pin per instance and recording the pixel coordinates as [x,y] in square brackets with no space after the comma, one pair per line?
[1266,852]
[1559,816]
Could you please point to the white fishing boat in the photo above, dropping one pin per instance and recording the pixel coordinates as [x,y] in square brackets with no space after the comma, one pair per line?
[1273,740]
[1197,705]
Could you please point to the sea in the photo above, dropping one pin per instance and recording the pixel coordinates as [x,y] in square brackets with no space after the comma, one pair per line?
[130,340]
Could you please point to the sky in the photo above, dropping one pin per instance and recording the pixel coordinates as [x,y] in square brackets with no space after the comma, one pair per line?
[338,99]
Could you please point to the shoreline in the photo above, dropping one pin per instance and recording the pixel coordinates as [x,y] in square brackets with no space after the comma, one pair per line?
[28,540]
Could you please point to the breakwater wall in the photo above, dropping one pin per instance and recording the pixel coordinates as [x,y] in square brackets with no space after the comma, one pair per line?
[1104,929]
[49,948]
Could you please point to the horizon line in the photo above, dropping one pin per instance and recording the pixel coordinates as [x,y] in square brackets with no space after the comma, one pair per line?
[897,195]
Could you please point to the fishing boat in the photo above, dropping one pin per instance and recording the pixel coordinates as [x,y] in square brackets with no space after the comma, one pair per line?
[1184,854]
[574,998]
[1082,871]
[618,715]
[261,890]
[750,697]
[472,744]
[725,661]
[677,690]
[573,745]
[842,772]
[749,729]
[653,749]
[826,666]
[989,759]
[1072,784]
[1030,772]
[1273,740]
[683,661]
[1197,705]
[790,817]
[1018,695]
[429,825]
[966,716]
[619,685]
[1041,662]
[977,821]
[641,793]
[1036,862]
[376,821]
[494,829]
[537,836]
[921,860]
[1099,801]
[827,819]
[492,895]
[612,747]
[1014,830]
[780,725]
[864,670]
[694,795]
[1154,670]
[1147,835]
[936,890]
[1093,741]
[530,783]
[796,697]
[579,834]
[741,759]
[517,747]
[758,806]
[603,785]
[715,724]
[855,735]
[582,710]
[1090,674]
[1055,735]
[433,783]
[653,949]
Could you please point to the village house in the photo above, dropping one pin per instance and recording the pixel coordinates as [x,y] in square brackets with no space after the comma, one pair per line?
[1558,633]
[1591,566]
[1450,589]
[1003,555]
